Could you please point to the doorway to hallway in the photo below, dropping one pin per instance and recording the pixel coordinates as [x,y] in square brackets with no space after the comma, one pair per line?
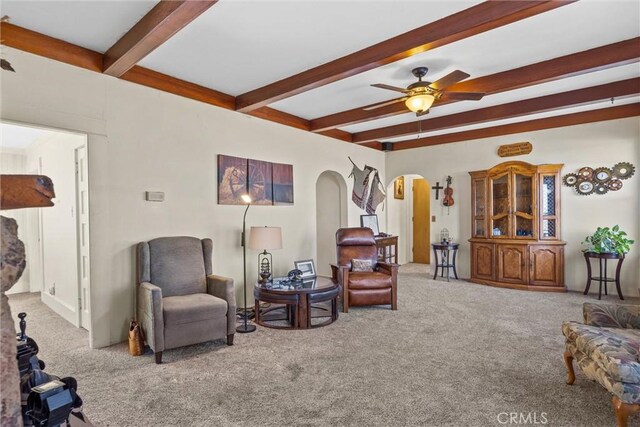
[57,238]
[409,217]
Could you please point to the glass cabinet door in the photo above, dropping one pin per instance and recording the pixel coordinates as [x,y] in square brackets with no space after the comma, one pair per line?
[500,206]
[548,206]
[479,205]
[524,202]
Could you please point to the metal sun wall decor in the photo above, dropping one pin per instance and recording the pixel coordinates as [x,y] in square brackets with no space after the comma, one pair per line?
[599,180]
[367,193]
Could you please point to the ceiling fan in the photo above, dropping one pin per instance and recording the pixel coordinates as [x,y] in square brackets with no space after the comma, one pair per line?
[419,96]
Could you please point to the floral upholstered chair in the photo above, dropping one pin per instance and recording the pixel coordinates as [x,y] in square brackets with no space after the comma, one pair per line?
[606,348]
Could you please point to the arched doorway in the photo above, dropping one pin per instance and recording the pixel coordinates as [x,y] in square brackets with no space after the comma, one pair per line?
[409,217]
[331,214]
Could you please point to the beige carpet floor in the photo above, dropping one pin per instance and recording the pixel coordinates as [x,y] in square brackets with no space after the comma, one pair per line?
[454,354]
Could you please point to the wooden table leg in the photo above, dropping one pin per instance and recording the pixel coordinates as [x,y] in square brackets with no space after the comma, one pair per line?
[448,263]
[303,308]
[455,273]
[586,258]
[256,316]
[618,278]
[600,280]
[606,278]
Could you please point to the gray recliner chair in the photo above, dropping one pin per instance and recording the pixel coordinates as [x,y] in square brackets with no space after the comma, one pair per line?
[179,301]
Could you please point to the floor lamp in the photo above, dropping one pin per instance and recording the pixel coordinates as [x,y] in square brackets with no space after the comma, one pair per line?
[245,327]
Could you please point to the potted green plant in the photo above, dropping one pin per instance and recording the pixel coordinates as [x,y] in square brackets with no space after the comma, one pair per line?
[608,240]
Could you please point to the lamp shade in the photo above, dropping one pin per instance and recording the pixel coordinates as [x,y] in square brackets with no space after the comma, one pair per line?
[420,103]
[265,238]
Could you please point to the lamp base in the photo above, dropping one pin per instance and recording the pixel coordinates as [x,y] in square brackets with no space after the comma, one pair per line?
[243,329]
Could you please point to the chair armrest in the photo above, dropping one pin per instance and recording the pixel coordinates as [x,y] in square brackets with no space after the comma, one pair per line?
[150,315]
[335,272]
[223,288]
[388,267]
[611,315]
[338,272]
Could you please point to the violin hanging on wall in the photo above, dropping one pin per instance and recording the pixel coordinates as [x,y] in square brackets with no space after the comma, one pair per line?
[448,194]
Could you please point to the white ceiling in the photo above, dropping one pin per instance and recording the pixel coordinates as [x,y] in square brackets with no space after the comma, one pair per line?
[586,80]
[16,137]
[93,24]
[558,32]
[237,46]
[240,45]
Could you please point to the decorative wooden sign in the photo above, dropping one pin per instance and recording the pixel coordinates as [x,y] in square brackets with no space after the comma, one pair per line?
[517,149]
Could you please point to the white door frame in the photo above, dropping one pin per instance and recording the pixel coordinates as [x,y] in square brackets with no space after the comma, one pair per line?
[85,321]
[83,245]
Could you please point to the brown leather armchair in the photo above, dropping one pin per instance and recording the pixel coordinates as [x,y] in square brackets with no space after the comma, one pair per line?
[375,287]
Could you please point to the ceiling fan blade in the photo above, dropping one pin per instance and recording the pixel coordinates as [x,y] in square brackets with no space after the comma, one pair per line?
[461,96]
[383,104]
[389,87]
[449,79]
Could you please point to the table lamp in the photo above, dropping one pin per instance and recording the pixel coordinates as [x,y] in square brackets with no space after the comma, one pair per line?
[265,238]
[244,328]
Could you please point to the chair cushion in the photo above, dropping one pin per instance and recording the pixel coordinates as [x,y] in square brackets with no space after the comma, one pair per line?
[615,350]
[177,265]
[369,280]
[192,308]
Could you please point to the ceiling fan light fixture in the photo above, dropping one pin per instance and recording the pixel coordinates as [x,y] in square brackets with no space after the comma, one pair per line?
[420,103]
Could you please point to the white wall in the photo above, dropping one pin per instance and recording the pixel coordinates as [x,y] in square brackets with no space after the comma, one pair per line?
[331,214]
[54,156]
[14,162]
[595,144]
[142,139]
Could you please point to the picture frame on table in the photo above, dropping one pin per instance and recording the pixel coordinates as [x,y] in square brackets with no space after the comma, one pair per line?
[307,267]
[370,221]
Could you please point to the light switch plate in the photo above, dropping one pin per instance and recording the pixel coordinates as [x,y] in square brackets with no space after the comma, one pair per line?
[154,196]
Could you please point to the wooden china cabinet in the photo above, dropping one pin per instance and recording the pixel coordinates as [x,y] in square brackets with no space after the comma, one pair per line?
[515,226]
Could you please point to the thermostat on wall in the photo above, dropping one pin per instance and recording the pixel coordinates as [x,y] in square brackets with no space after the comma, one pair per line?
[154,196]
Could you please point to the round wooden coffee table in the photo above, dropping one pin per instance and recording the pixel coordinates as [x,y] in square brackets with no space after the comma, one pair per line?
[295,302]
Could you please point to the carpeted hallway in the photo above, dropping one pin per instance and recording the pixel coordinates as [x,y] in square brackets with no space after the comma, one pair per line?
[454,354]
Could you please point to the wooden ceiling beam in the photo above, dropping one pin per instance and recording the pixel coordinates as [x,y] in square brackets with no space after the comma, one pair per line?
[612,55]
[165,83]
[611,113]
[68,53]
[156,27]
[49,47]
[505,111]
[469,22]
[281,117]
[277,116]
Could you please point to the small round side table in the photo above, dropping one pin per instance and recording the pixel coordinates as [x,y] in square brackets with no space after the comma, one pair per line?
[445,262]
[602,275]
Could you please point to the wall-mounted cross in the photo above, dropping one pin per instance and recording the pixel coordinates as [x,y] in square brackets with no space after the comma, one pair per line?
[438,187]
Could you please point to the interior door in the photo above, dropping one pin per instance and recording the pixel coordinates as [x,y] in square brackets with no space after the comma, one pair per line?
[82,205]
[421,224]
